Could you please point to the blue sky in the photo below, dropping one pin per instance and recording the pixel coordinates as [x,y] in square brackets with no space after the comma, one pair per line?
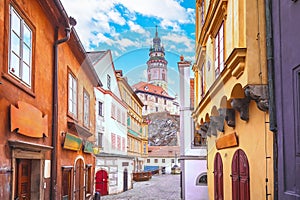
[127,28]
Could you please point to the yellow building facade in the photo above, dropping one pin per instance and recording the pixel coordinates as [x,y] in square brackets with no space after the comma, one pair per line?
[137,133]
[231,98]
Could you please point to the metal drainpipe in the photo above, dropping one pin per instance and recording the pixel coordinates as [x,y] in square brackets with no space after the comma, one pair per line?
[53,194]
[272,108]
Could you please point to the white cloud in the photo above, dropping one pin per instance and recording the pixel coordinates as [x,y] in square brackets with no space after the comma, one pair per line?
[94,19]
[136,28]
[180,39]
[116,17]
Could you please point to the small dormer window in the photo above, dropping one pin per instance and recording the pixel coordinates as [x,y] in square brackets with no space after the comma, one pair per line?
[146,88]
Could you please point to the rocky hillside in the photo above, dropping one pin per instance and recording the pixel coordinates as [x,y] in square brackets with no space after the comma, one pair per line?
[163,129]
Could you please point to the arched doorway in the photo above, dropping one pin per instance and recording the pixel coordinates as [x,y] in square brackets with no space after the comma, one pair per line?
[102,182]
[240,176]
[79,186]
[125,180]
[218,177]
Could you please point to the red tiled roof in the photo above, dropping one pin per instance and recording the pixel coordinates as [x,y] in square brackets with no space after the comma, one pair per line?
[163,151]
[150,88]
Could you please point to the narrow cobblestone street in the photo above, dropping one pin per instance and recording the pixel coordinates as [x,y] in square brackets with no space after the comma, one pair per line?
[162,187]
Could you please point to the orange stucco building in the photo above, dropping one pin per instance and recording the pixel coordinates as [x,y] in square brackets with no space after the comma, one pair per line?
[46,104]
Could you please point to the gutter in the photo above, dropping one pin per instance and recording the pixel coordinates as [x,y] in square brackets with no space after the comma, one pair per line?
[272,106]
[68,29]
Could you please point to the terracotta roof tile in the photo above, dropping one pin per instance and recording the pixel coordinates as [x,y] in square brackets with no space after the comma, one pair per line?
[150,88]
[163,151]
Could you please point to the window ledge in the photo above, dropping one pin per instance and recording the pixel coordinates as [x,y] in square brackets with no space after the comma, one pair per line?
[18,84]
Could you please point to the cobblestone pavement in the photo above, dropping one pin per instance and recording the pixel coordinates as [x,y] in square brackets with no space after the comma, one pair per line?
[160,187]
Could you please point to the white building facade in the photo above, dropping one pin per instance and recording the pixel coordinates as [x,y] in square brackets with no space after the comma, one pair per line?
[112,160]
[192,157]
[162,158]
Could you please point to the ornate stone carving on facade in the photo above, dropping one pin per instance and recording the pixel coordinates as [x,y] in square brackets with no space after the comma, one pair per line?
[242,106]
[205,127]
[229,115]
[258,93]
[218,121]
[212,129]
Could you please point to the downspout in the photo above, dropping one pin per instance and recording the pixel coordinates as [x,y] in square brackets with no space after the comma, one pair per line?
[271,86]
[55,135]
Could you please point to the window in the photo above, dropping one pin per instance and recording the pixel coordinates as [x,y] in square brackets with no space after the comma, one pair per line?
[148,160]
[113,141]
[202,80]
[156,109]
[155,160]
[146,97]
[156,100]
[163,76]
[145,148]
[202,12]
[66,183]
[149,77]
[119,142]
[118,115]
[20,55]
[219,51]
[100,108]
[123,144]
[108,82]
[202,179]
[72,95]
[173,161]
[165,102]
[146,107]
[86,109]
[100,139]
[113,111]
[88,180]
[163,160]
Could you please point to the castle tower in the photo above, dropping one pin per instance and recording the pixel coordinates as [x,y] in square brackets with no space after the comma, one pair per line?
[157,64]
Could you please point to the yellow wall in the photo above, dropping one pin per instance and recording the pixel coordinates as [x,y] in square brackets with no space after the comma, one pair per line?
[244,27]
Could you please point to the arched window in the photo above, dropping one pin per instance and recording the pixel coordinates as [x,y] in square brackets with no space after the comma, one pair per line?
[240,176]
[202,180]
[218,177]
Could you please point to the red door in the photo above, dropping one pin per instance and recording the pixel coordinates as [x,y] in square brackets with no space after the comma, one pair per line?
[24,179]
[240,176]
[218,177]
[102,182]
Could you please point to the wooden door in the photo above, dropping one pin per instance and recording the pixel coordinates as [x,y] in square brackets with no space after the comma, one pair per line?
[218,177]
[125,180]
[23,179]
[101,182]
[240,176]
[79,180]
[285,14]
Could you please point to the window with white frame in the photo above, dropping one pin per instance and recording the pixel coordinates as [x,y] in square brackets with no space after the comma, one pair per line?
[108,81]
[100,139]
[100,108]
[219,51]
[20,54]
[202,80]
[72,103]
[86,109]
[202,12]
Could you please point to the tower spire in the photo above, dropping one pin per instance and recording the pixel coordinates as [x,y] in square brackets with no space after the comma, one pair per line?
[156,33]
